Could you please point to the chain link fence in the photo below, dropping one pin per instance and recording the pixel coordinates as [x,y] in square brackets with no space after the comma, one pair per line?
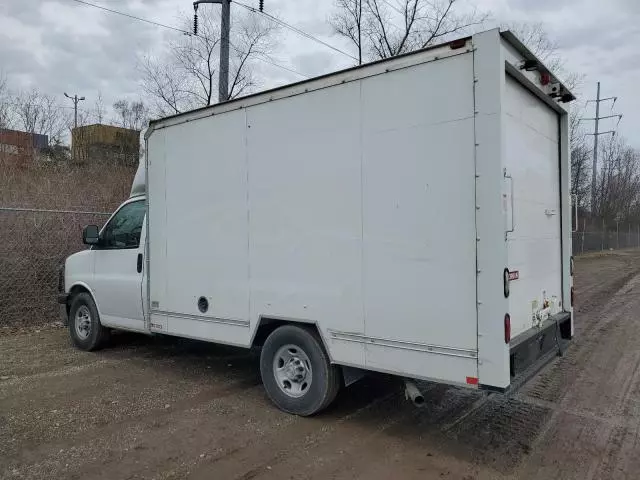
[44,206]
[33,245]
[596,235]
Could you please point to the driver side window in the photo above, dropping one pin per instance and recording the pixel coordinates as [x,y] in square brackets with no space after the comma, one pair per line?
[124,229]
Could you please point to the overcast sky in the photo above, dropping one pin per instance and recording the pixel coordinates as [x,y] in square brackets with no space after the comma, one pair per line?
[61,45]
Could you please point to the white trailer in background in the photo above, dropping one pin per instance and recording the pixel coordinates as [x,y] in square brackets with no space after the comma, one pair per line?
[410,216]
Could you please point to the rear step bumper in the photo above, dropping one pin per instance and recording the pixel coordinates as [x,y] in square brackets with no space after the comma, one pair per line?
[530,351]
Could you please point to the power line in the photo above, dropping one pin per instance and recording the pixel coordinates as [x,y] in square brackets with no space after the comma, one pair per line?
[265,60]
[295,29]
[185,32]
[133,17]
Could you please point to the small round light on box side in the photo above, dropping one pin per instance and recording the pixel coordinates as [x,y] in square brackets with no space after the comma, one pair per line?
[203,304]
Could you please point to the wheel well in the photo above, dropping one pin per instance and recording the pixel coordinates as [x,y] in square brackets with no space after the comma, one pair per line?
[268,325]
[76,289]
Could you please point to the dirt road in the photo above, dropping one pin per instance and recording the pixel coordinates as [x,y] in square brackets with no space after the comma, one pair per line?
[168,408]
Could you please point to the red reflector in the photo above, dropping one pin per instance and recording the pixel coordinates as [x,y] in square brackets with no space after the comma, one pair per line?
[460,43]
[507,328]
[472,380]
[572,296]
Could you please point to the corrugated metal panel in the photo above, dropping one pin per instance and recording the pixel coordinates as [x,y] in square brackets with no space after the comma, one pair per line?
[20,147]
[105,143]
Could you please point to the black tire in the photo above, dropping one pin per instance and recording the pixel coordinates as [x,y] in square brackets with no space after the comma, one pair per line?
[95,336]
[326,380]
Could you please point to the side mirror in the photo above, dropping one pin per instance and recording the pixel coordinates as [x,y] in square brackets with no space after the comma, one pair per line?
[90,235]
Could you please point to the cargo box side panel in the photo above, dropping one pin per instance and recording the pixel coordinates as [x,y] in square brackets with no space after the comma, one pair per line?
[305,213]
[419,221]
[205,258]
[156,227]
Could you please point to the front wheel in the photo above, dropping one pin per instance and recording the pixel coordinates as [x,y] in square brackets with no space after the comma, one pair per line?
[87,333]
[296,371]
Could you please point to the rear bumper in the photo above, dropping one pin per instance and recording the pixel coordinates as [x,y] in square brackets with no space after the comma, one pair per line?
[530,351]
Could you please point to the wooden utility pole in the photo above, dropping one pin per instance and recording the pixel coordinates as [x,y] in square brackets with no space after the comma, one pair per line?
[75,100]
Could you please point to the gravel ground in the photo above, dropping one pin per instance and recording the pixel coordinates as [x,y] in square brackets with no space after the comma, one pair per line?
[160,408]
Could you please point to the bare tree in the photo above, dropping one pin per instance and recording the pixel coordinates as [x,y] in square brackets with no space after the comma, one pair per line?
[581,156]
[37,112]
[382,29]
[99,110]
[133,115]
[347,22]
[5,103]
[164,85]
[253,39]
[186,75]
[618,186]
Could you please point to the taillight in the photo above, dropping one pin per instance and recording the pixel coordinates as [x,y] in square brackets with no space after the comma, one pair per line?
[572,296]
[507,328]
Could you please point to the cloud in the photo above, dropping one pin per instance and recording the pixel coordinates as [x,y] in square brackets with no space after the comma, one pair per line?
[535,6]
[316,63]
[61,45]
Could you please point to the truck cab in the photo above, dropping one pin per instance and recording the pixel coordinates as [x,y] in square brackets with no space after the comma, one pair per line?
[103,287]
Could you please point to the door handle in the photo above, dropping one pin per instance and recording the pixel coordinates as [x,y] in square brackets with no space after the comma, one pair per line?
[139,266]
[513,222]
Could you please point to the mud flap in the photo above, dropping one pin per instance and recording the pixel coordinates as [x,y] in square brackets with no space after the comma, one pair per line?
[530,351]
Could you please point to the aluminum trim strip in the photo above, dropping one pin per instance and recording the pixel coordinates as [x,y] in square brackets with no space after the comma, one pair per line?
[404,345]
[201,318]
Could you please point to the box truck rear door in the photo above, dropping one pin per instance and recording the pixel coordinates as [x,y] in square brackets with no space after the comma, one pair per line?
[532,208]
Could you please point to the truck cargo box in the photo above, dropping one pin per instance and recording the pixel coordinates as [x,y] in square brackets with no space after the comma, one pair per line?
[415,211]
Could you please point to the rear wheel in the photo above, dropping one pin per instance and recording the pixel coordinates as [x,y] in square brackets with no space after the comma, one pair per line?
[87,333]
[296,371]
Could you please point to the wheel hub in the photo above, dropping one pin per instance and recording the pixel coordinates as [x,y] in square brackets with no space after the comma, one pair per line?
[295,370]
[82,322]
[292,370]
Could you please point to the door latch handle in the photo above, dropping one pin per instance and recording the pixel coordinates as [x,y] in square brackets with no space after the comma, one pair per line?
[139,266]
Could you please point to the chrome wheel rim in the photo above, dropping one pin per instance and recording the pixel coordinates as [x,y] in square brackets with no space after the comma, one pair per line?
[292,370]
[82,322]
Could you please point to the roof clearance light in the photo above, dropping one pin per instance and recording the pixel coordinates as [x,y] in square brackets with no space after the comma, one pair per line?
[545,79]
[460,43]
[530,65]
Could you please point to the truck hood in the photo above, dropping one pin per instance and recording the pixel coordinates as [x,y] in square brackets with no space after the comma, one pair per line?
[78,268]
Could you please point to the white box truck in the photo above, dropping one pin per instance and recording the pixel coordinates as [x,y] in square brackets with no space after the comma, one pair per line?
[410,216]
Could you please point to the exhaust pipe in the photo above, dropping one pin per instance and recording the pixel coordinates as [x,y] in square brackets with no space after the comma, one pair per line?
[412,393]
